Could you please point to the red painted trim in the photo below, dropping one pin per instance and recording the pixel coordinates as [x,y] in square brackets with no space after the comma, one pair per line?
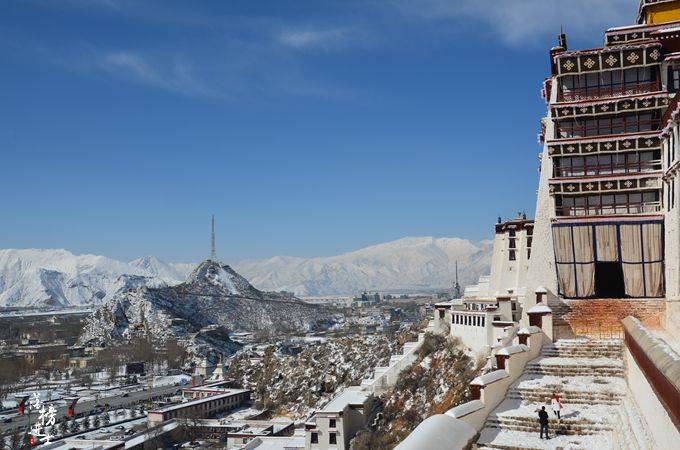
[476,392]
[665,391]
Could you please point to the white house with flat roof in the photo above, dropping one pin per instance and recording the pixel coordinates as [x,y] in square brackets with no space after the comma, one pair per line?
[338,422]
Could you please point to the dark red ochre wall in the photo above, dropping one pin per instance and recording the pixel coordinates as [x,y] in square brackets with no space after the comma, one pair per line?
[602,317]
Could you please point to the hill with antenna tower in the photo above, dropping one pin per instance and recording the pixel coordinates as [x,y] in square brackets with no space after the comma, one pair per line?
[212,301]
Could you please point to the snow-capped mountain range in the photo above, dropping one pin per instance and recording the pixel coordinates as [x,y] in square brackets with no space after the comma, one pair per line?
[415,264]
[53,277]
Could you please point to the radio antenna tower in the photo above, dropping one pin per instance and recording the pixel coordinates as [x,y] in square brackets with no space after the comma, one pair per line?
[213,253]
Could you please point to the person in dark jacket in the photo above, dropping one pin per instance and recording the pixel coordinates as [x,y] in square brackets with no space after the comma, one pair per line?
[543,420]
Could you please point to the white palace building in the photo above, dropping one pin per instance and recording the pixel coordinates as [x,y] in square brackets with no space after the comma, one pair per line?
[584,300]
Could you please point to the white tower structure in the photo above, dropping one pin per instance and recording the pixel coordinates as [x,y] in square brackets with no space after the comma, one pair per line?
[213,253]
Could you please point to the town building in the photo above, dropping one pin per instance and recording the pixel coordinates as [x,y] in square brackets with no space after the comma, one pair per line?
[238,433]
[333,426]
[202,408]
[207,390]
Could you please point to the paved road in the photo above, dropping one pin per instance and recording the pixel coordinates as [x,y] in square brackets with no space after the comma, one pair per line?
[115,402]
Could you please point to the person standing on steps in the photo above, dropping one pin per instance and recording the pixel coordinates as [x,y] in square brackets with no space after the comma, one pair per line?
[556,405]
[543,420]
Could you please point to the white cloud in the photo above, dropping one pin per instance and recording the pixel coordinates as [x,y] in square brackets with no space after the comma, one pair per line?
[314,38]
[518,22]
[175,76]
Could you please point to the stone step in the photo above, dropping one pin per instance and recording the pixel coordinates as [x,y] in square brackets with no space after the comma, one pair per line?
[517,440]
[543,397]
[563,353]
[573,371]
[570,427]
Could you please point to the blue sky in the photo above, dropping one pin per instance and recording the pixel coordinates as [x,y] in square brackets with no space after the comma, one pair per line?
[309,128]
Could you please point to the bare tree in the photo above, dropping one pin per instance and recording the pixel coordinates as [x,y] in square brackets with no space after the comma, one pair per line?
[175,354]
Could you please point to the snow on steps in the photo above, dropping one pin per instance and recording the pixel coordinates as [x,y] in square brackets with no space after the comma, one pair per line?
[569,367]
[520,440]
[588,375]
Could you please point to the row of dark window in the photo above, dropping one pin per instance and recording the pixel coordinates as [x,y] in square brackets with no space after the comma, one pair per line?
[602,126]
[465,319]
[609,83]
[332,438]
[512,244]
[607,164]
[606,204]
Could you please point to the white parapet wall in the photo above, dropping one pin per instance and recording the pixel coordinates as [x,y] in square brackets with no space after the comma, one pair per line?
[653,378]
[385,377]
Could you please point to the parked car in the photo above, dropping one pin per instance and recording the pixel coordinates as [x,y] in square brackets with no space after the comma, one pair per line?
[127,394]
[7,420]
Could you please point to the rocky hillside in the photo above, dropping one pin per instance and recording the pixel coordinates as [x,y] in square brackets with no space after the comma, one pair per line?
[214,297]
[436,382]
[406,265]
[297,385]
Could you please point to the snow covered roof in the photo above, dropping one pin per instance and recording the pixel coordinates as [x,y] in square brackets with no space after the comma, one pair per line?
[541,290]
[529,330]
[439,432]
[540,308]
[490,377]
[465,409]
[350,396]
[512,349]
[276,443]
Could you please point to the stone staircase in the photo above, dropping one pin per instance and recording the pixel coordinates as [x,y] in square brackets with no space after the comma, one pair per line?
[588,376]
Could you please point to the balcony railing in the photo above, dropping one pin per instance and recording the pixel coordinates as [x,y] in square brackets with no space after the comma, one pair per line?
[607,169]
[606,210]
[596,92]
[579,131]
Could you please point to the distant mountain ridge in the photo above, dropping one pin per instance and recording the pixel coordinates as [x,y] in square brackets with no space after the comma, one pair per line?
[59,278]
[413,264]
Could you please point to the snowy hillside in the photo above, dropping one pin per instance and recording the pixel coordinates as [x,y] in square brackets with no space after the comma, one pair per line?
[213,299]
[409,264]
[54,277]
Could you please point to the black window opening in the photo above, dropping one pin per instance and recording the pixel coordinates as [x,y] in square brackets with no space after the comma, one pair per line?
[331,422]
[674,78]
[315,438]
[332,438]
[511,255]
[609,282]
